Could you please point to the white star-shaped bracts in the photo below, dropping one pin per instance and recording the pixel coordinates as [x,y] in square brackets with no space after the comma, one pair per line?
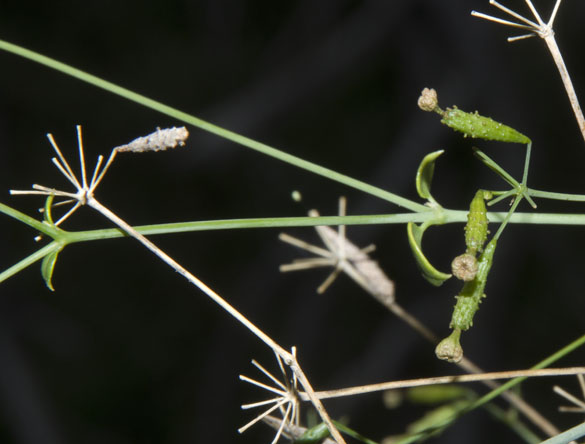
[540,28]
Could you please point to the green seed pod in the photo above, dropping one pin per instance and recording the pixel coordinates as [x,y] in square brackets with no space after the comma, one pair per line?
[477,222]
[471,294]
[476,126]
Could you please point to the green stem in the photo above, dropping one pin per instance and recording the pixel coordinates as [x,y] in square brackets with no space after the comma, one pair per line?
[542,364]
[508,217]
[507,386]
[567,436]
[526,164]
[209,127]
[343,428]
[502,195]
[49,230]
[513,422]
[63,237]
[29,260]
[444,217]
[493,165]
[556,196]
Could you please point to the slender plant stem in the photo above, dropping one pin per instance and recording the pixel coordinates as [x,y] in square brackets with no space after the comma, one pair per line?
[92,202]
[568,435]
[29,260]
[49,230]
[542,364]
[445,216]
[520,404]
[448,216]
[392,385]
[553,48]
[556,196]
[511,421]
[211,128]
[508,217]
[288,358]
[526,164]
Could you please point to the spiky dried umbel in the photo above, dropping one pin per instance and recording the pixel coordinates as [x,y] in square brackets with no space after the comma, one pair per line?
[342,255]
[539,28]
[287,401]
[545,31]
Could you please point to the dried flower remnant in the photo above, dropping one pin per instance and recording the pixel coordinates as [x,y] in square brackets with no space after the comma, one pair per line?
[160,140]
[428,100]
[464,267]
[449,349]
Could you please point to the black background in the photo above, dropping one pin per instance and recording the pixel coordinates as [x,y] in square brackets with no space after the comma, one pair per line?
[124,351]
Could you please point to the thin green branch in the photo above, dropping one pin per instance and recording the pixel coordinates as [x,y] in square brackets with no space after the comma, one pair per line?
[511,420]
[507,386]
[542,364]
[567,436]
[556,196]
[526,164]
[47,229]
[508,217]
[63,237]
[495,167]
[444,215]
[209,127]
[29,260]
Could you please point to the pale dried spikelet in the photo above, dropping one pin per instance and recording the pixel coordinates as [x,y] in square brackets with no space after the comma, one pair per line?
[379,284]
[160,140]
[428,100]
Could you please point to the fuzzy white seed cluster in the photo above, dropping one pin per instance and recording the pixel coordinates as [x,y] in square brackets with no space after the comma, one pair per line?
[160,140]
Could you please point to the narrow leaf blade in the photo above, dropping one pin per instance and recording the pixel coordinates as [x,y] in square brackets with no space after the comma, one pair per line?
[47,268]
[429,272]
[424,175]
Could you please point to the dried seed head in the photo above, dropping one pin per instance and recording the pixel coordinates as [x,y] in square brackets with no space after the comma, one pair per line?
[449,348]
[464,267]
[428,100]
[158,141]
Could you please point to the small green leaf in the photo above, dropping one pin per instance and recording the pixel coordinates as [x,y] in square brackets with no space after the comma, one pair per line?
[48,266]
[430,273]
[424,175]
[48,205]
